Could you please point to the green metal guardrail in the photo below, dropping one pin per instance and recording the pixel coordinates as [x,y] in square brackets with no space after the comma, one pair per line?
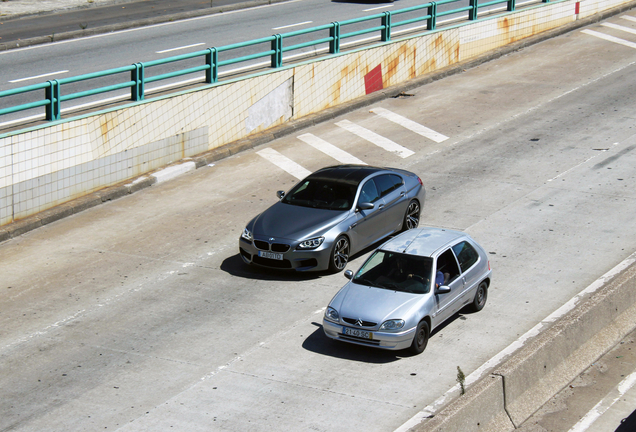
[138,80]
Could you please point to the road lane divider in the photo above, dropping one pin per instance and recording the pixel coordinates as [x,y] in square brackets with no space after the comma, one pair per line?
[376,139]
[330,149]
[410,124]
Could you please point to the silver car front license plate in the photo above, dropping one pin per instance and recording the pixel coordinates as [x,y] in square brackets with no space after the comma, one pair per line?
[357,333]
[271,255]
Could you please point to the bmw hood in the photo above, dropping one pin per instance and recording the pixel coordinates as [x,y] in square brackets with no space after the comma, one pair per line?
[374,304]
[295,222]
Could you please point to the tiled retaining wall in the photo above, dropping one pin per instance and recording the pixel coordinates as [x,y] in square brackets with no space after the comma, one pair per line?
[53,164]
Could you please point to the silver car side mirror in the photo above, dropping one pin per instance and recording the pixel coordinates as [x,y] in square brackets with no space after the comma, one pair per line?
[280,194]
[442,289]
[348,274]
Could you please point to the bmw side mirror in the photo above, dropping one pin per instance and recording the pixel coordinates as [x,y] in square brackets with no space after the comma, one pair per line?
[280,194]
[442,289]
[348,274]
[365,206]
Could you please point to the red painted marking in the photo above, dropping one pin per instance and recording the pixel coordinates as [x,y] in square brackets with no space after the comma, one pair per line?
[577,6]
[373,80]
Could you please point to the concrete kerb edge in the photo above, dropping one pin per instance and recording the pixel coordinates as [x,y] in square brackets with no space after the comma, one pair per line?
[113,192]
[571,344]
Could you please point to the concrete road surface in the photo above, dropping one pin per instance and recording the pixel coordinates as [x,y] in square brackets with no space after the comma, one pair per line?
[138,315]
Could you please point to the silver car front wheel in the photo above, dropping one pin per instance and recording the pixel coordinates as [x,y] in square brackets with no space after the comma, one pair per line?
[339,254]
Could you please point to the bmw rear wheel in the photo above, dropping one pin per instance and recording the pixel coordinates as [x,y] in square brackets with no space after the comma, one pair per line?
[339,254]
[420,340]
[412,216]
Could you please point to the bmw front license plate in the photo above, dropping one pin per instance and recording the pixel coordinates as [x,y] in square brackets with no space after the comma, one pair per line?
[358,333]
[271,255]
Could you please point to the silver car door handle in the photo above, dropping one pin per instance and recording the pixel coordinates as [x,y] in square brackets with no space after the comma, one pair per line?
[381,206]
[353,225]
[402,195]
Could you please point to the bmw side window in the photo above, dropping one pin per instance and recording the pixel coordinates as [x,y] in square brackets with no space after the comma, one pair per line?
[369,193]
[385,184]
[397,181]
[466,255]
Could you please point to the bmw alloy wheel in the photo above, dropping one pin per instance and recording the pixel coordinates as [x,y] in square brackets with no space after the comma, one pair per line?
[339,254]
[412,216]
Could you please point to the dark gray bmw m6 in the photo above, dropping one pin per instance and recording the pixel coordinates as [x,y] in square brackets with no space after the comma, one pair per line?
[330,215]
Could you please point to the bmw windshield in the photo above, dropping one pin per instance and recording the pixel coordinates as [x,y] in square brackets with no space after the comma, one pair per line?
[322,194]
[397,272]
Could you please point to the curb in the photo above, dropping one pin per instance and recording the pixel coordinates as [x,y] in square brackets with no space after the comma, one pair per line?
[133,185]
[510,394]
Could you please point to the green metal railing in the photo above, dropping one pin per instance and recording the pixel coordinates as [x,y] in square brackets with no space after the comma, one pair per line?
[53,96]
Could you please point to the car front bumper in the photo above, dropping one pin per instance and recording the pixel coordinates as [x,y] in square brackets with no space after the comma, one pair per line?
[384,340]
[292,259]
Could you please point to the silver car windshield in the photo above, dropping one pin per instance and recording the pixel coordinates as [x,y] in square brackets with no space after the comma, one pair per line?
[397,272]
[322,194]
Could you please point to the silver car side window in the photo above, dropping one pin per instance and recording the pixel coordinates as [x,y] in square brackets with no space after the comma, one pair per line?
[466,255]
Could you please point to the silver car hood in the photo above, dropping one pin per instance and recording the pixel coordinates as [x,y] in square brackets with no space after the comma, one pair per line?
[375,304]
[295,222]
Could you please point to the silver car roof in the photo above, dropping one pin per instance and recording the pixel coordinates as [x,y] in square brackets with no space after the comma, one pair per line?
[422,241]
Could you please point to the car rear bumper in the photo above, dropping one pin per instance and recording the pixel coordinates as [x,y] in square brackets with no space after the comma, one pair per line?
[384,340]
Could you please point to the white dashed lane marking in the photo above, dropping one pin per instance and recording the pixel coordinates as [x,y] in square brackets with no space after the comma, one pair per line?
[284,163]
[330,149]
[376,139]
[410,125]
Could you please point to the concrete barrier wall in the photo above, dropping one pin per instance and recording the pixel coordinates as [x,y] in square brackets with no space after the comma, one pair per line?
[513,391]
[53,164]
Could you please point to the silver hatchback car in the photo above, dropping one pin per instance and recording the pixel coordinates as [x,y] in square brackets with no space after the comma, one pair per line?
[407,287]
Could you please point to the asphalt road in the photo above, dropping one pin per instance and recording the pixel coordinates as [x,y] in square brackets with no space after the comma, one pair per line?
[139,314]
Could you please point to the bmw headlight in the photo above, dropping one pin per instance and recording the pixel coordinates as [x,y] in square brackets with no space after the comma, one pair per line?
[390,325]
[331,314]
[247,235]
[311,243]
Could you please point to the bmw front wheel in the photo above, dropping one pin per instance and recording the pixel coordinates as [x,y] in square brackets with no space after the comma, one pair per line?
[412,216]
[339,254]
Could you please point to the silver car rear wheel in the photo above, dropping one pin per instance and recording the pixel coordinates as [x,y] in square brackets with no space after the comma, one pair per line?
[480,297]
[339,254]
[412,216]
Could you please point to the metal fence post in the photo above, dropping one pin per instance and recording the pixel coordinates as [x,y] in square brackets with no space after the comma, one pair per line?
[53,95]
[334,34]
[386,27]
[277,47]
[137,76]
[212,60]
[512,5]
[472,13]
[431,22]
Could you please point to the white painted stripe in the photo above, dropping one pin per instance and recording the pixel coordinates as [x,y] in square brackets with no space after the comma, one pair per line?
[376,8]
[330,149]
[174,171]
[376,139]
[432,409]
[410,125]
[292,25]
[37,76]
[620,27]
[179,48]
[284,163]
[610,38]
[629,18]
[605,404]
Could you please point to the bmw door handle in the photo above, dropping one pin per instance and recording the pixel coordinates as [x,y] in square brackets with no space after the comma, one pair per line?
[402,195]
[353,225]
[381,206]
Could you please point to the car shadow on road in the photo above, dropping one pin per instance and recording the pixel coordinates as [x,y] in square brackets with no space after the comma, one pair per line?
[235,266]
[318,343]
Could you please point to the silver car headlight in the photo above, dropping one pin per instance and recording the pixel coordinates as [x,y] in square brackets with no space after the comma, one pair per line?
[391,325]
[331,314]
[247,235]
[311,243]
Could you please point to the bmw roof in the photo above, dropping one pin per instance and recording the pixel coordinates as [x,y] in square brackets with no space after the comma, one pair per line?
[346,173]
[422,241]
